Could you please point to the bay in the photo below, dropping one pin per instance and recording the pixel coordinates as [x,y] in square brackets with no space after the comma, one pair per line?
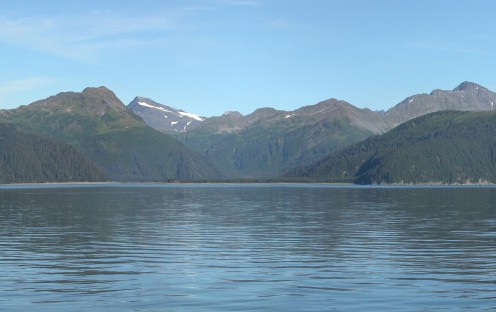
[253,247]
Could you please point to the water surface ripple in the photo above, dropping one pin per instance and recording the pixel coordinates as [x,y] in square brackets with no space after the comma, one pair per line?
[247,247]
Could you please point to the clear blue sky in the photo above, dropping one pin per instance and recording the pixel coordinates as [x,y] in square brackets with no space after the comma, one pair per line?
[212,56]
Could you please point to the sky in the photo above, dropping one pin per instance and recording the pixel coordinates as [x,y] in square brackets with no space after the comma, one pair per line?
[213,56]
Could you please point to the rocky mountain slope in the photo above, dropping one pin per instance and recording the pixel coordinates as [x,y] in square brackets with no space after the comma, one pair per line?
[467,96]
[164,118]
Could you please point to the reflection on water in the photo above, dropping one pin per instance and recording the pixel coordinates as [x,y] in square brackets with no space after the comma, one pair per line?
[272,247]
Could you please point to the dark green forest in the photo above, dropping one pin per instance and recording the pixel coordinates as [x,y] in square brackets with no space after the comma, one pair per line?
[445,147]
[27,157]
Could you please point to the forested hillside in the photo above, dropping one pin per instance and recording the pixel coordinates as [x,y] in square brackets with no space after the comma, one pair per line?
[30,158]
[445,147]
[269,142]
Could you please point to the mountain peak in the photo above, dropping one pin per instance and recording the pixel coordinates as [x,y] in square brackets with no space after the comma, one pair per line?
[233,113]
[91,100]
[162,117]
[329,106]
[98,91]
[467,86]
[145,100]
[264,112]
[105,95]
[467,96]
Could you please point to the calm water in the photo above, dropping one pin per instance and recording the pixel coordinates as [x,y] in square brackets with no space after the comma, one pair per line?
[265,247]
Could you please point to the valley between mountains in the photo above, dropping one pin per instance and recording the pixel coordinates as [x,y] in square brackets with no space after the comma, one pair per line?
[446,136]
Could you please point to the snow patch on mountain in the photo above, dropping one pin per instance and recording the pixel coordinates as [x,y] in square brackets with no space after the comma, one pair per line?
[144,104]
[191,115]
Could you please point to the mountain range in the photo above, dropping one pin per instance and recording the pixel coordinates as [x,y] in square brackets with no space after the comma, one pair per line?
[269,142]
[148,141]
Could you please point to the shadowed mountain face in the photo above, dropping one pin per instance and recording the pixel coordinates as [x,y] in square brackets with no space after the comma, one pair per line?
[97,124]
[467,96]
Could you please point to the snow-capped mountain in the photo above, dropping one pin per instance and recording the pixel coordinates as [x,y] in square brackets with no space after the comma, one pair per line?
[163,117]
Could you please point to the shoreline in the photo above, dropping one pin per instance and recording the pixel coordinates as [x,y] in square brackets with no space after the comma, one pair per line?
[240,183]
